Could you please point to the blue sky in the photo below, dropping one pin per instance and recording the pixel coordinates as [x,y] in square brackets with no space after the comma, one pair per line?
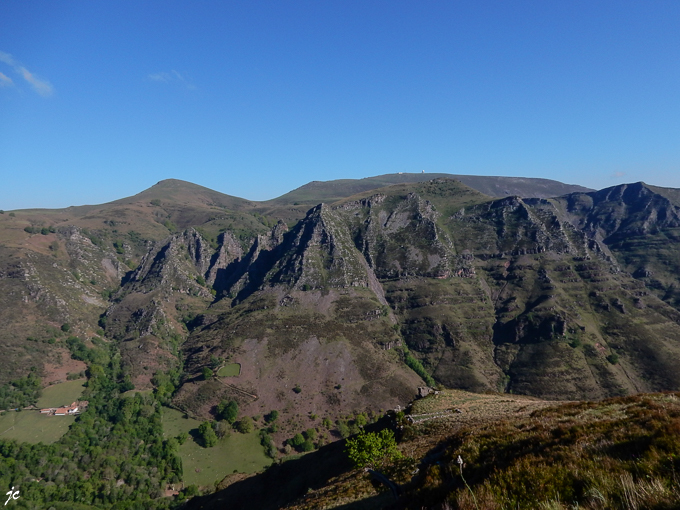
[100,100]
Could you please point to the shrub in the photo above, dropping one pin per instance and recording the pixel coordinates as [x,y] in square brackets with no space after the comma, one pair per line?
[297,389]
[245,425]
[207,434]
[222,429]
[227,410]
[297,440]
[418,368]
[343,429]
[372,449]
[268,444]
[191,491]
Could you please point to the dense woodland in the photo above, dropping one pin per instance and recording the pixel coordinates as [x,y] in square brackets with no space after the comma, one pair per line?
[113,456]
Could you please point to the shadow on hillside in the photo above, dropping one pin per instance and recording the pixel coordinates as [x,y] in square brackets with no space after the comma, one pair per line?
[281,484]
[382,500]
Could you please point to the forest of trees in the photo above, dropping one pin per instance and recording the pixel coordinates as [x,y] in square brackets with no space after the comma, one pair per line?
[113,456]
[20,393]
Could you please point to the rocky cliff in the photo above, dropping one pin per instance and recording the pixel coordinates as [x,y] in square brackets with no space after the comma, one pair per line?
[568,297]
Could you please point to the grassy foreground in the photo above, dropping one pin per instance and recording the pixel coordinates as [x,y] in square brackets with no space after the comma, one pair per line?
[622,453]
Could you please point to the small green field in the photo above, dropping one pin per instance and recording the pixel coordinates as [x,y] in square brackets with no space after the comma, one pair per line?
[132,393]
[33,427]
[204,466]
[231,370]
[61,394]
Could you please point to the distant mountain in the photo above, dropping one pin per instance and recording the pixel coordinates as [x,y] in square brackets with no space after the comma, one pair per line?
[331,191]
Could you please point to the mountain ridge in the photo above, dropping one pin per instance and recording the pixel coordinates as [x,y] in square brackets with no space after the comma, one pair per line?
[356,302]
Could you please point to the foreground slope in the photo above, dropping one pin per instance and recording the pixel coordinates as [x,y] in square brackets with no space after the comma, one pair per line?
[517,453]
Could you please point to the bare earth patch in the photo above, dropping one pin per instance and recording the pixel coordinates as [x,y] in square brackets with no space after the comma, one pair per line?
[56,373]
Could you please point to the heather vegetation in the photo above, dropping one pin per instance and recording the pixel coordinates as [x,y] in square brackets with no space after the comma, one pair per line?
[619,454]
[495,453]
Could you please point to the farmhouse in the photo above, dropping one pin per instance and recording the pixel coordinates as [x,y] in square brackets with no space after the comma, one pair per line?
[74,408]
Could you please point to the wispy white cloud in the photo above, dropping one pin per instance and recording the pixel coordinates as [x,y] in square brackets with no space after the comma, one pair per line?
[5,81]
[172,76]
[6,58]
[42,87]
[617,175]
[164,77]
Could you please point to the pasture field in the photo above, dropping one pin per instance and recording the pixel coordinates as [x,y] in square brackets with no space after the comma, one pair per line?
[33,427]
[204,466]
[132,393]
[61,394]
[231,370]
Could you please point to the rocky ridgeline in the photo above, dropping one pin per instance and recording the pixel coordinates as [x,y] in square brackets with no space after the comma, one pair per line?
[569,297]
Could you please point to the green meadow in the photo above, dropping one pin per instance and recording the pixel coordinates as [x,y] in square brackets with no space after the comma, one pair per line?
[61,394]
[132,393]
[231,370]
[204,466]
[33,427]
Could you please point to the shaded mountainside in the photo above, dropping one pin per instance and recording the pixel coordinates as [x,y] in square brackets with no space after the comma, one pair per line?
[470,451]
[350,305]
